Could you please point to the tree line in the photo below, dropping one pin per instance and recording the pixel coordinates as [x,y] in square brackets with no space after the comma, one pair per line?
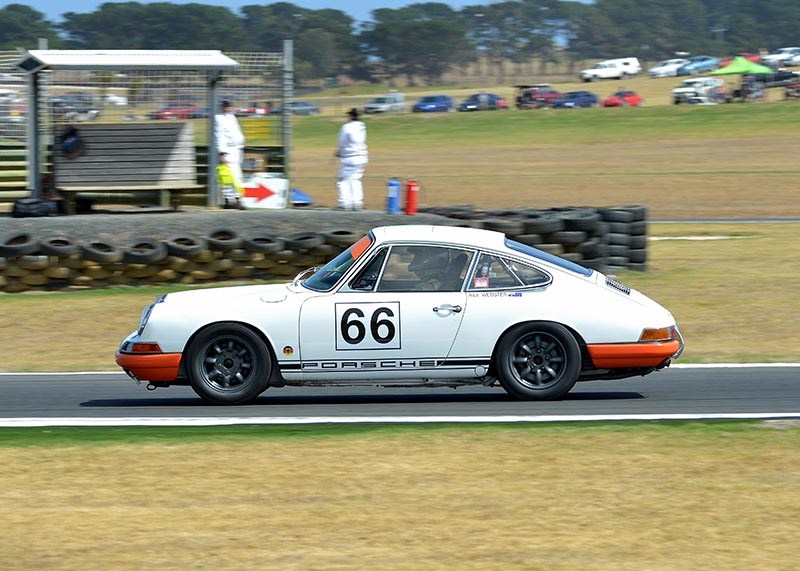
[421,41]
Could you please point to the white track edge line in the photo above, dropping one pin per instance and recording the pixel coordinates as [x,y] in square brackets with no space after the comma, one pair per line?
[292,420]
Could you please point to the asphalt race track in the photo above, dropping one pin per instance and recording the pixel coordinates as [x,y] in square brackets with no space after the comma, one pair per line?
[680,392]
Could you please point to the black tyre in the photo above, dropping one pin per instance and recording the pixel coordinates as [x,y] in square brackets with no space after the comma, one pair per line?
[304,241]
[342,237]
[584,219]
[507,226]
[568,237]
[59,246]
[543,223]
[18,244]
[264,244]
[101,252]
[616,215]
[638,242]
[228,364]
[185,245]
[224,240]
[538,361]
[144,250]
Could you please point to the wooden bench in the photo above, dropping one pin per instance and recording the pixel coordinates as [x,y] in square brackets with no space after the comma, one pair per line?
[128,158]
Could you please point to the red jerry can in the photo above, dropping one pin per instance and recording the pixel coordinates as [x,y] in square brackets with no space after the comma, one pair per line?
[412,197]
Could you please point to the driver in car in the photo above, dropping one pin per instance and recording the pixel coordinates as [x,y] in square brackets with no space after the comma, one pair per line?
[431,266]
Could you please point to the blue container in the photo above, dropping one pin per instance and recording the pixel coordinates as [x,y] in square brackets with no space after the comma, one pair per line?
[393,196]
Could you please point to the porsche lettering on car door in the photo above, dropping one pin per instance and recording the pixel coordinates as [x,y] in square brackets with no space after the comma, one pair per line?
[401,312]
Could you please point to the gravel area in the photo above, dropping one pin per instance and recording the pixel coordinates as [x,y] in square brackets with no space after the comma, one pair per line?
[121,225]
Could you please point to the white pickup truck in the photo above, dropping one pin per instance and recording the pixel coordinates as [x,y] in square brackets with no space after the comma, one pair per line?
[612,69]
[697,87]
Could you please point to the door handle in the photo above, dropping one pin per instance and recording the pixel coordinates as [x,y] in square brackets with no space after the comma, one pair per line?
[447,307]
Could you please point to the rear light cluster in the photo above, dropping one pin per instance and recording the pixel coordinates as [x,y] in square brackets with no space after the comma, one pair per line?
[145,348]
[660,334]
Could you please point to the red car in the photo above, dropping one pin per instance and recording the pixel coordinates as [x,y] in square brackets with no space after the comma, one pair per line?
[624,98]
[177,111]
[536,96]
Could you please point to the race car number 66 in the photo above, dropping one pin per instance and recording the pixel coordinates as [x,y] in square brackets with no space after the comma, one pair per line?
[367,326]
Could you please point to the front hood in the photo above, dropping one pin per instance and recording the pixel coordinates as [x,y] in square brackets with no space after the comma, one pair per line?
[268,293]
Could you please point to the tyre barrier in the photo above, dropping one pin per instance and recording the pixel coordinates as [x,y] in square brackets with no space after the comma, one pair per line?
[604,239]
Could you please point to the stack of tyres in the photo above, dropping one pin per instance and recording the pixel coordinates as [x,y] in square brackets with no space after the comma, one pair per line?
[626,237]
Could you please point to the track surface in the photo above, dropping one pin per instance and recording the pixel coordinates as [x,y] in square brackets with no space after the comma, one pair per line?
[712,392]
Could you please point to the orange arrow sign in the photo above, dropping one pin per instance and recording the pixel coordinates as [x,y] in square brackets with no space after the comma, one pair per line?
[259,192]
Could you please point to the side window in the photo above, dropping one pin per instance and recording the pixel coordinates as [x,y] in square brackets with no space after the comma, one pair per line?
[529,275]
[424,268]
[365,281]
[494,272]
[491,273]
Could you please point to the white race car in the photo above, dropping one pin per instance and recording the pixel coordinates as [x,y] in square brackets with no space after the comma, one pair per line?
[407,306]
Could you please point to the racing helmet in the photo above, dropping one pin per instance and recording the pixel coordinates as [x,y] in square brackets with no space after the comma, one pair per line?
[428,261]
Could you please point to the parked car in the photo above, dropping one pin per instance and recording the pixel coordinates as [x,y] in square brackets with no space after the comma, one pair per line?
[74,107]
[667,68]
[392,102]
[115,100]
[572,99]
[624,98]
[431,103]
[780,78]
[612,69]
[698,64]
[13,110]
[697,87]
[407,306]
[792,61]
[536,96]
[177,110]
[779,57]
[297,108]
[483,102]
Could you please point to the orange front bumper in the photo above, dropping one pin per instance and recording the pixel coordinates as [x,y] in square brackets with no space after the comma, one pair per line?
[625,355]
[155,367]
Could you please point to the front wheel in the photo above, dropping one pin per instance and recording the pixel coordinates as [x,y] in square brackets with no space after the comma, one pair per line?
[228,364]
[538,361]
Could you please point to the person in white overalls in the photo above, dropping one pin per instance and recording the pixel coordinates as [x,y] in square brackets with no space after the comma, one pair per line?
[230,140]
[353,158]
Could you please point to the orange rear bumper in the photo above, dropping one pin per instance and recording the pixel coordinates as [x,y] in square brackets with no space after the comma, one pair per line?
[156,367]
[624,355]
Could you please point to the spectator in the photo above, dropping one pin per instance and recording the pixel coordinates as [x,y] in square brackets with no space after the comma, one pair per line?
[230,140]
[352,154]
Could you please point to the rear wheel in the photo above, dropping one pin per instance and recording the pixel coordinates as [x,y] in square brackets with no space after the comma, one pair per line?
[538,361]
[228,364]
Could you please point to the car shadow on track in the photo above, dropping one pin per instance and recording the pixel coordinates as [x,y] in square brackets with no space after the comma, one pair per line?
[339,400]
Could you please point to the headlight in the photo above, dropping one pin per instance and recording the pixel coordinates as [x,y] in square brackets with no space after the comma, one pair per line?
[147,311]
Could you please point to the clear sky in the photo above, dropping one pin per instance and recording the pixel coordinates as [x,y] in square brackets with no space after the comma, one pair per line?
[359,10]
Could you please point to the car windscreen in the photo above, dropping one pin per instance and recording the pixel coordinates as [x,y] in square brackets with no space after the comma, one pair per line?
[547,257]
[328,275]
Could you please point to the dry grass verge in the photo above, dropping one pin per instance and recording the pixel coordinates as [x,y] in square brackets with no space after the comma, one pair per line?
[614,497]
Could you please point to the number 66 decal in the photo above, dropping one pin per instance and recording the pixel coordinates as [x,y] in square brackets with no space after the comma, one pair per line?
[367,326]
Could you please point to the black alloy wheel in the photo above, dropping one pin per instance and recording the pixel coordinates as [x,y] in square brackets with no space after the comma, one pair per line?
[228,364]
[538,361]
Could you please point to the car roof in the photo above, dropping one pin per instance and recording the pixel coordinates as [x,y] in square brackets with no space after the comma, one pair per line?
[441,234]
[471,238]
